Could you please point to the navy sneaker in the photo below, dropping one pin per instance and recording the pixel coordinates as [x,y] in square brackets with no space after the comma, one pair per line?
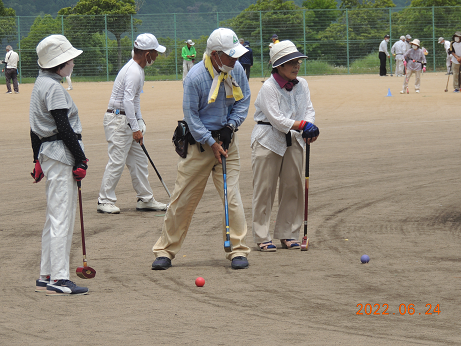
[239,262]
[161,263]
[40,285]
[456,91]
[64,287]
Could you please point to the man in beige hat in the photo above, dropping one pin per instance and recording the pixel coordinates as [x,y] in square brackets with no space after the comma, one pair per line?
[415,62]
[455,51]
[55,132]
[124,128]
[215,103]
[188,54]
[284,119]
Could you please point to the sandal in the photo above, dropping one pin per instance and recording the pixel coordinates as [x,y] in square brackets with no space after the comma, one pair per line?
[267,246]
[290,244]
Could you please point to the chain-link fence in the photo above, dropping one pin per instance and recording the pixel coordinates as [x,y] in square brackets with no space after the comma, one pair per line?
[336,41]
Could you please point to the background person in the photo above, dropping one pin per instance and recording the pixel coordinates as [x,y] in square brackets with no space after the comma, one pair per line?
[415,62]
[455,51]
[215,103]
[69,83]
[408,42]
[11,69]
[397,50]
[188,54]
[383,56]
[124,128]
[55,132]
[283,104]
[246,60]
[446,46]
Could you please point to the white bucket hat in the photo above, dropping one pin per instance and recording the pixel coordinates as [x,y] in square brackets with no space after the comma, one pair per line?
[225,40]
[190,42]
[416,42]
[148,42]
[284,51]
[402,37]
[441,39]
[55,50]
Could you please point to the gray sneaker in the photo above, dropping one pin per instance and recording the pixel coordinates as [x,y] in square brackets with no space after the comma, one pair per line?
[151,205]
[108,208]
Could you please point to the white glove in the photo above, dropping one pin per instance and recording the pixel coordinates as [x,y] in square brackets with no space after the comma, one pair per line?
[142,126]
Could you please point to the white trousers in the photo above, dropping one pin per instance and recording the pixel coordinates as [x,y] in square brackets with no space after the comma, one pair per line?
[69,81]
[399,65]
[123,150]
[186,66]
[448,63]
[268,169]
[417,79]
[61,199]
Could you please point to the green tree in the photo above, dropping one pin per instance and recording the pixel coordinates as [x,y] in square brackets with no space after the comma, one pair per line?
[119,17]
[7,21]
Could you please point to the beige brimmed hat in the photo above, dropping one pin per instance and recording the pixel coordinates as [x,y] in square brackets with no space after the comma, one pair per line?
[225,40]
[55,50]
[148,42]
[284,51]
[440,39]
[416,42]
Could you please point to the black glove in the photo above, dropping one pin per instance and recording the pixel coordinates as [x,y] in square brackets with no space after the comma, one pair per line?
[310,131]
[225,136]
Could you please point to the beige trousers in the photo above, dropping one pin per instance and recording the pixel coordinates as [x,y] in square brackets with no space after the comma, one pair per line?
[268,168]
[407,79]
[456,70]
[186,66]
[193,173]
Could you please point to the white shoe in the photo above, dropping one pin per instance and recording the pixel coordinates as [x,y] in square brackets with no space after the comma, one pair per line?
[402,92]
[417,91]
[70,88]
[151,205]
[108,208]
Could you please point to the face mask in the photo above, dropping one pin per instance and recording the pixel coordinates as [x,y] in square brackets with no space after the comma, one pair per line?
[224,68]
[151,61]
[67,70]
[415,47]
[387,40]
[456,39]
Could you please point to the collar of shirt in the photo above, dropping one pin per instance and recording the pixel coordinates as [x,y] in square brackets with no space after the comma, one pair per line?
[288,85]
[52,75]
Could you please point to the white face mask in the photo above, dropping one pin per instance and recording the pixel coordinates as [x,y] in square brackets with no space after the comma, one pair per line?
[456,39]
[67,70]
[387,40]
[415,47]
[224,68]
[151,61]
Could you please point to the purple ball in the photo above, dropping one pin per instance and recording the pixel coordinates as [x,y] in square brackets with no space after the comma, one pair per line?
[365,259]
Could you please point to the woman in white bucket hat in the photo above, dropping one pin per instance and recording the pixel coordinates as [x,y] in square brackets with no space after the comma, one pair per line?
[415,62]
[284,123]
[55,131]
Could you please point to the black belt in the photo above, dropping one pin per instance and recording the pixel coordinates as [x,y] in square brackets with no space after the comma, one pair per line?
[287,135]
[57,137]
[113,111]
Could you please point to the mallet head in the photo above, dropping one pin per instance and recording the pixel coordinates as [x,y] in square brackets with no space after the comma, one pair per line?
[227,246]
[305,244]
[86,272]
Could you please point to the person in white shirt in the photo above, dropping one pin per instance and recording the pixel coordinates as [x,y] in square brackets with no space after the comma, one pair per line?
[284,119]
[455,51]
[446,46]
[397,50]
[11,70]
[383,56]
[124,128]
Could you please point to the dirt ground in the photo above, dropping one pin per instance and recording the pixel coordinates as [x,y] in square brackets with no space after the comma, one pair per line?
[384,181]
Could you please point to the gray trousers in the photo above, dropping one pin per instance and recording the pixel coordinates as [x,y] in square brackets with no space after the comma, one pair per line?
[12,73]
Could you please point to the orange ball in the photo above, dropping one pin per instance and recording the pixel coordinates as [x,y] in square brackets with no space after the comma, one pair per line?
[200,281]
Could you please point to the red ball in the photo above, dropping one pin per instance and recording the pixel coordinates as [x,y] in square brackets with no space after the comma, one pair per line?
[200,281]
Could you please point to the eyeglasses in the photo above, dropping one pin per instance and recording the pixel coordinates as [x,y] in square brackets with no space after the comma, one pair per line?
[294,63]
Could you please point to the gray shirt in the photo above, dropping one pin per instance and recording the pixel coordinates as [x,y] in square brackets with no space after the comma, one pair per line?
[48,94]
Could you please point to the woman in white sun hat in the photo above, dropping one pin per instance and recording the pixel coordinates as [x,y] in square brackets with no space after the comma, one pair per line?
[415,62]
[284,123]
[55,131]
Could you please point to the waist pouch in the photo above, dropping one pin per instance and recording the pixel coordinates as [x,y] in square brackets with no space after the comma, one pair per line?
[182,138]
